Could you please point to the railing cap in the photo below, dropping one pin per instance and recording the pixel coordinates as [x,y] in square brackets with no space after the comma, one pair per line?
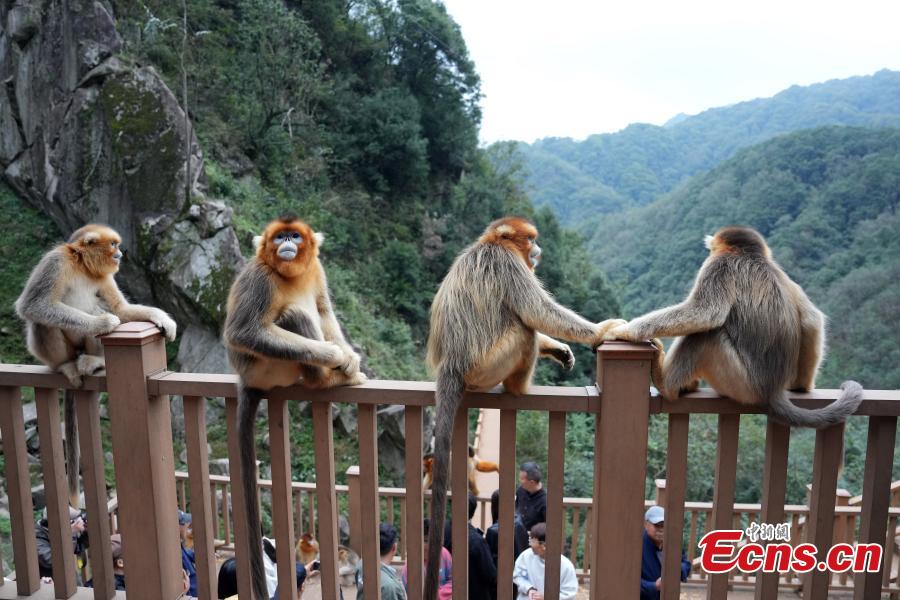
[618,350]
[135,333]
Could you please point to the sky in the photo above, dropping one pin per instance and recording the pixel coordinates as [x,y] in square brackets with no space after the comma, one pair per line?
[572,68]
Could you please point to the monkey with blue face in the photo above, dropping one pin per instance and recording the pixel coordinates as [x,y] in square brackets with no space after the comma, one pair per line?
[281,330]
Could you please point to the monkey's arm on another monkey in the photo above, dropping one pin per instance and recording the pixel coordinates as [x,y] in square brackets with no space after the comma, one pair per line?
[250,327]
[706,307]
[41,300]
[537,309]
[110,294]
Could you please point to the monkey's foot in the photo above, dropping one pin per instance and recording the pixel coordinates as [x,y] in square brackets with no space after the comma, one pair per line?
[72,373]
[90,364]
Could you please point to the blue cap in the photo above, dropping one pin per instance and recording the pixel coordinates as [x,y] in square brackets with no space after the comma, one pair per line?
[655,514]
[184,518]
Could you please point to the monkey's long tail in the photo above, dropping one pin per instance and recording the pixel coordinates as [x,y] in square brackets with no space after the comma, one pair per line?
[450,387]
[783,410]
[73,454]
[248,404]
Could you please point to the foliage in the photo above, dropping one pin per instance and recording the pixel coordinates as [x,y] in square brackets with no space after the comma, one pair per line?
[26,235]
[607,173]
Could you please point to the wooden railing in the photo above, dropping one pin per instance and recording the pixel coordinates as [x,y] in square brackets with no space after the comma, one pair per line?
[139,387]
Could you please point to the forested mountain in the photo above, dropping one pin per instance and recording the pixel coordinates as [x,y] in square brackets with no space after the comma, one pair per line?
[608,172]
[825,199]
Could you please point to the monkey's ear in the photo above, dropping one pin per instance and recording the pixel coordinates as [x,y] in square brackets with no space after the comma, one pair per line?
[708,242]
[90,238]
[505,230]
[319,237]
[257,242]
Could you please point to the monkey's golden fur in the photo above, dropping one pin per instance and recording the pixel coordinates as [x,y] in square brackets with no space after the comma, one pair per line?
[747,329]
[281,330]
[490,320]
[70,298]
[473,464]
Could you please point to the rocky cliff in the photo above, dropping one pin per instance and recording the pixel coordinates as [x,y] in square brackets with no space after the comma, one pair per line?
[87,136]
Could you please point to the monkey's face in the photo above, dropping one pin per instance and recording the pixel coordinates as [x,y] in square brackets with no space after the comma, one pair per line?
[289,246]
[98,248]
[517,235]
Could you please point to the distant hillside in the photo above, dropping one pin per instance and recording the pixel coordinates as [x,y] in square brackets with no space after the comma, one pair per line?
[632,167]
[826,200]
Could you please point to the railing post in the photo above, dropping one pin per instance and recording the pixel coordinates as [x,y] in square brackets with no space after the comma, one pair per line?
[661,492]
[620,466]
[142,454]
[355,518]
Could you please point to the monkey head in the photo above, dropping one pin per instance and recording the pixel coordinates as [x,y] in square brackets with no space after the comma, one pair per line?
[737,240]
[516,235]
[288,245]
[97,249]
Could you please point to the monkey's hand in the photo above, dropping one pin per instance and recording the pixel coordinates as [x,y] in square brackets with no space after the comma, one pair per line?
[623,332]
[104,323]
[352,364]
[603,329]
[563,355]
[166,325]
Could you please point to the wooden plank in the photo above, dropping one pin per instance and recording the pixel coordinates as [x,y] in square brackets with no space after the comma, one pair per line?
[413,524]
[213,490]
[18,485]
[620,466]
[459,505]
[87,411]
[368,494]
[556,456]
[328,533]
[509,473]
[778,439]
[676,484]
[311,506]
[820,523]
[282,519]
[201,502]
[876,495]
[53,464]
[238,508]
[723,499]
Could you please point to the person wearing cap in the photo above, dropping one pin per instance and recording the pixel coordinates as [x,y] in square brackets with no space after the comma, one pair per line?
[42,535]
[652,557]
[187,556]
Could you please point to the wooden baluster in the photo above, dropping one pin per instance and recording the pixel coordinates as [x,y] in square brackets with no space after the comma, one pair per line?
[328,533]
[778,439]
[18,485]
[723,501]
[201,502]
[459,505]
[876,497]
[620,466]
[282,517]
[368,493]
[556,448]
[413,524]
[54,470]
[509,472]
[576,534]
[675,487]
[238,509]
[820,523]
[87,410]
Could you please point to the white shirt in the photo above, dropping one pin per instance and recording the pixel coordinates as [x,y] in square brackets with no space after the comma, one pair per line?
[529,573]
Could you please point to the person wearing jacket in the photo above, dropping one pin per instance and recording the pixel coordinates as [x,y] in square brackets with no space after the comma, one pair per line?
[651,559]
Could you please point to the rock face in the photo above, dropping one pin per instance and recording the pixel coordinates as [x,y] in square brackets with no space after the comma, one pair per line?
[87,137]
